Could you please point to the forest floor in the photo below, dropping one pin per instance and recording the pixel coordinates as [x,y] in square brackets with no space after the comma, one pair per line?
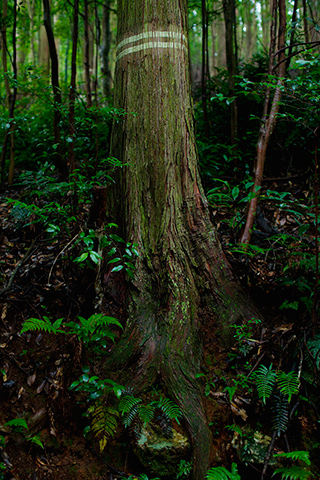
[39,278]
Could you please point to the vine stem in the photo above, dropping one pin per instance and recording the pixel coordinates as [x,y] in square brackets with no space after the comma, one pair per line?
[267,459]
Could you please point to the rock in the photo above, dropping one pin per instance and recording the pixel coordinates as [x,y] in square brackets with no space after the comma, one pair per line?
[160,455]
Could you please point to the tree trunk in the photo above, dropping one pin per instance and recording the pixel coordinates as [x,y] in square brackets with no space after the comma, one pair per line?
[4,50]
[204,66]
[55,86]
[231,55]
[293,30]
[269,117]
[10,132]
[105,50]
[31,13]
[87,54]
[182,278]
[72,94]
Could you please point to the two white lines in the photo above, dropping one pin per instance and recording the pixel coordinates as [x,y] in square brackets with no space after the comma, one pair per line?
[156,42]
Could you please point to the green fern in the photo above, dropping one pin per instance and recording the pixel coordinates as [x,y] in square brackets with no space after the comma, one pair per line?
[104,423]
[169,408]
[288,383]
[129,407]
[145,413]
[221,473]
[45,324]
[280,410]
[265,380]
[300,455]
[293,473]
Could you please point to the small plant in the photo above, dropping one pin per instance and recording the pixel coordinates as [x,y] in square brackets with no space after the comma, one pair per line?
[266,378]
[20,425]
[184,469]
[222,473]
[94,387]
[136,414]
[95,243]
[243,334]
[280,386]
[95,329]
[34,324]
[295,472]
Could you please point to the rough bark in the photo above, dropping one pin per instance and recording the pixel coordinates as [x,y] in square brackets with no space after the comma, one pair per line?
[181,269]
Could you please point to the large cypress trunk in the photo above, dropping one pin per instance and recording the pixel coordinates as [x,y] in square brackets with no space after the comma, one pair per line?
[182,276]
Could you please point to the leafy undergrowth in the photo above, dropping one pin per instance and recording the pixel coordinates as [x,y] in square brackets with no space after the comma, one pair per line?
[266,386]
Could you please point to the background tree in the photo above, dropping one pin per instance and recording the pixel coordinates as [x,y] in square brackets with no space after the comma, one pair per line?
[55,86]
[270,112]
[181,271]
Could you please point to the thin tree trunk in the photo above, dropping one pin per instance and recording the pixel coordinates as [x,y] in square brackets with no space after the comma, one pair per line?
[55,86]
[31,14]
[231,54]
[87,54]
[269,118]
[204,67]
[9,134]
[96,57]
[14,96]
[182,279]
[305,21]
[4,51]
[105,50]
[293,26]
[72,94]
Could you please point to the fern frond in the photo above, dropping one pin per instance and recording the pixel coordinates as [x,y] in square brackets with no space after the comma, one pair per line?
[145,413]
[221,473]
[101,320]
[34,324]
[280,414]
[288,383]
[301,455]
[104,423]
[129,406]
[170,409]
[127,402]
[293,473]
[265,381]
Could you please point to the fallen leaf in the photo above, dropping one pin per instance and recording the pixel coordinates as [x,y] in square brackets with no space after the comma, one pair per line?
[31,379]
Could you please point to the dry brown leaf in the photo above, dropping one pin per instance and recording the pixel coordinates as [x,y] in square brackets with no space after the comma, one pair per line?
[31,379]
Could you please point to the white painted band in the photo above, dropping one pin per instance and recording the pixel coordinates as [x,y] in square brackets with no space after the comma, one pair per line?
[154,45]
[151,34]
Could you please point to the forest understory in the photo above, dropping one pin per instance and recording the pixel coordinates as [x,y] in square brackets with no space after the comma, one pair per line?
[42,280]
